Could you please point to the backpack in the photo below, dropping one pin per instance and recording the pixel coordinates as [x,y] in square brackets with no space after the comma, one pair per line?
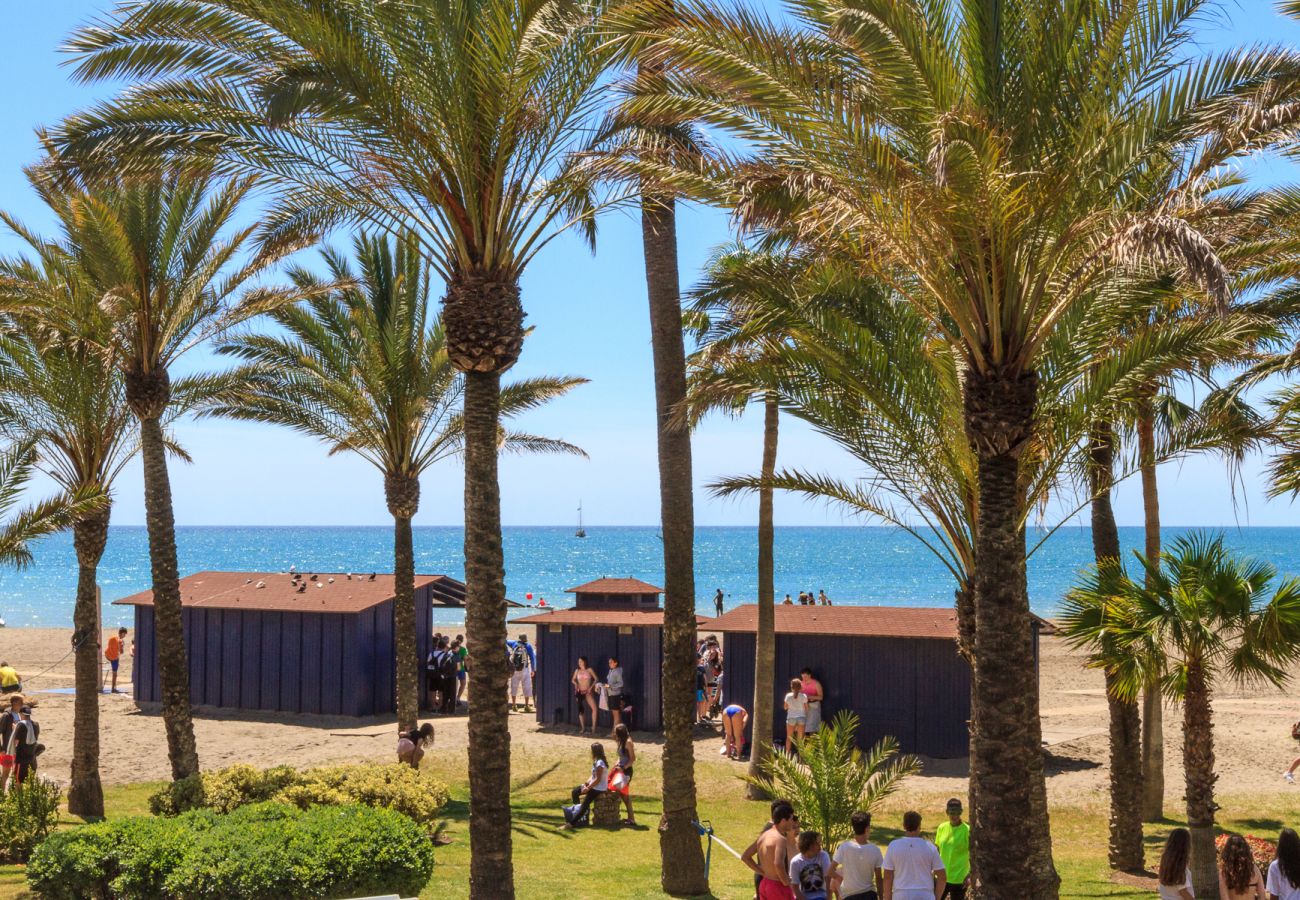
[519,657]
[447,664]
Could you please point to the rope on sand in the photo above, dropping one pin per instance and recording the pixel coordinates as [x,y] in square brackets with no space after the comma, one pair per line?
[75,647]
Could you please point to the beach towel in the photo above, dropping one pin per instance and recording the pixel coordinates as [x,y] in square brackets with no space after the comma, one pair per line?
[603,702]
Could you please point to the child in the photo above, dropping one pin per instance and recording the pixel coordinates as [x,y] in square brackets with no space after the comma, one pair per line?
[796,713]
[812,870]
[586,793]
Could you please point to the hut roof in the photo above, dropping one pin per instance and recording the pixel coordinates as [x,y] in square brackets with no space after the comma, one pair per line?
[239,590]
[599,617]
[848,621]
[615,586]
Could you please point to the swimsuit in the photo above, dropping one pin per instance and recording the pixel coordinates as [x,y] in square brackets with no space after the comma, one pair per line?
[732,710]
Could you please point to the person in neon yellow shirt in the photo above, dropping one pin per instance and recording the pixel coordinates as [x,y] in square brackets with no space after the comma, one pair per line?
[953,840]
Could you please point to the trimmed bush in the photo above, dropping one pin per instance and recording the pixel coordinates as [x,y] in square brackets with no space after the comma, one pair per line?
[27,815]
[262,851]
[389,786]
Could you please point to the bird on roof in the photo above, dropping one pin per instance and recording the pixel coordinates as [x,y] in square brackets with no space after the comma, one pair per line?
[372,577]
[302,588]
[312,576]
[331,580]
[248,581]
[349,576]
[319,585]
[261,584]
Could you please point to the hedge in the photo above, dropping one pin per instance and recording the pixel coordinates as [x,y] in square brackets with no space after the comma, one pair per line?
[261,851]
[389,786]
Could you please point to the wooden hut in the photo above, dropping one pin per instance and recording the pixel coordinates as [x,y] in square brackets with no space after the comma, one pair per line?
[256,642]
[897,668]
[617,617]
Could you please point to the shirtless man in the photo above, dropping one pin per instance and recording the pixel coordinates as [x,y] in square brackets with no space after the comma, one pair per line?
[772,850]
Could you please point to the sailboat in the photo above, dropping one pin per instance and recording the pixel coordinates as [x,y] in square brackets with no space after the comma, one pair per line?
[581,532]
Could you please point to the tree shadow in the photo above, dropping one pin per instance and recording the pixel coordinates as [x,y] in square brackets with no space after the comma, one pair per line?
[1273,825]
[1057,763]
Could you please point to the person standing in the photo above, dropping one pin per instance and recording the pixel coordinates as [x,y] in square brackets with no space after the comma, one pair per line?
[113,653]
[796,714]
[584,689]
[812,689]
[8,721]
[913,869]
[859,861]
[822,598]
[787,601]
[615,693]
[812,869]
[717,601]
[769,855]
[626,760]
[523,665]
[25,746]
[1283,881]
[953,840]
[462,665]
[432,680]
[448,664]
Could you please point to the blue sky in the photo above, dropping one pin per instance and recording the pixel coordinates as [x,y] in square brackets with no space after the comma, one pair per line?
[590,319]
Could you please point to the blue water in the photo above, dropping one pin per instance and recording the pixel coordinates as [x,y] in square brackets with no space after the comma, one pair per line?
[854,565]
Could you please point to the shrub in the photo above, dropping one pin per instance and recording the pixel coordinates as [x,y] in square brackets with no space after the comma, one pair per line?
[27,815]
[391,786]
[258,852]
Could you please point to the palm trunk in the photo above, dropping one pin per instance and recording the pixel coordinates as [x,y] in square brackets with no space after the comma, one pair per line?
[1006,742]
[1126,849]
[765,646]
[85,792]
[403,496]
[1198,766]
[681,858]
[1153,730]
[148,395]
[491,872]
[966,647]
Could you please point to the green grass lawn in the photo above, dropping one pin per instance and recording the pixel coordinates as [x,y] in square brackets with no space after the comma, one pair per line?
[624,863]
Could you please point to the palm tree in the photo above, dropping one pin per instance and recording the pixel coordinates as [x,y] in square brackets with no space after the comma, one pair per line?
[364,368]
[1210,616]
[19,526]
[977,156]
[68,400]
[151,251]
[454,119]
[736,333]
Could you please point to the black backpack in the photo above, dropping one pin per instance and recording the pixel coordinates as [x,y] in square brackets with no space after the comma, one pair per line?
[447,664]
[519,657]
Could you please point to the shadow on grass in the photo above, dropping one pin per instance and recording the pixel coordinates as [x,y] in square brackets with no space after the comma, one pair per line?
[1274,825]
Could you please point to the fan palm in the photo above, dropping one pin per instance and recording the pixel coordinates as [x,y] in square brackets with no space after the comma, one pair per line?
[830,778]
[983,150]
[19,526]
[153,253]
[1209,616]
[454,119]
[364,368]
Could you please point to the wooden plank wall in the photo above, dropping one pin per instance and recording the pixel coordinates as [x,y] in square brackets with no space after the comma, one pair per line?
[638,654]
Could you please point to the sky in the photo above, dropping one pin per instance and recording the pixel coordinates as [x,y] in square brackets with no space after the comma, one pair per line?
[590,319]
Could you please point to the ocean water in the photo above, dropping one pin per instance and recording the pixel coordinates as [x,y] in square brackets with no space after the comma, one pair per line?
[854,565]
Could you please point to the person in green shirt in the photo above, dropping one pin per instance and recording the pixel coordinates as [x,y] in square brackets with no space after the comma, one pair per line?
[461,653]
[953,840]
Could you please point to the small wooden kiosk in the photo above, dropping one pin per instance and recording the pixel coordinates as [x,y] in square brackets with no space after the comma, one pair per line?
[617,617]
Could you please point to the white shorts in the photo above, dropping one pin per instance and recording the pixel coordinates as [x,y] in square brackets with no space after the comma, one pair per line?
[521,683]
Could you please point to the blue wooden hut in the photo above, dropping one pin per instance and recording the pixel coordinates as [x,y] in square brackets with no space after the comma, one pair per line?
[610,617]
[261,641]
[897,668]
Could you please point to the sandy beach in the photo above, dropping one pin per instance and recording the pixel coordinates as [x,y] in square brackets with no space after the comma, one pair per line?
[1252,737]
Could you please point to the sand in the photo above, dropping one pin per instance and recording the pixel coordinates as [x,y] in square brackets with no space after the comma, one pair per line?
[1252,737]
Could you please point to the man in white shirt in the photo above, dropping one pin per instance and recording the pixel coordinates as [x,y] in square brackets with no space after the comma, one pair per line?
[859,862]
[913,869]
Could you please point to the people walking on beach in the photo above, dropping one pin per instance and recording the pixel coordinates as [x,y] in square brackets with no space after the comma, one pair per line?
[717,601]
[113,653]
[812,689]
[1175,873]
[590,790]
[1283,881]
[953,840]
[25,746]
[796,714]
[10,682]
[1239,877]
[734,721]
[626,760]
[858,862]
[812,870]
[584,689]
[412,744]
[523,665]
[769,855]
[615,692]
[913,869]
[8,720]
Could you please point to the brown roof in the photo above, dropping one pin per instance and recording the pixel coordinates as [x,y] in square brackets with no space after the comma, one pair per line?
[850,621]
[598,617]
[615,586]
[239,590]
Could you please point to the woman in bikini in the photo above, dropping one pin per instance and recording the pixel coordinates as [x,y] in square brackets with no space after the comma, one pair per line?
[412,744]
[584,688]
[734,721]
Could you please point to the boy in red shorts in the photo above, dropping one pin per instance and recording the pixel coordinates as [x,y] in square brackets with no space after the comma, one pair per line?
[8,719]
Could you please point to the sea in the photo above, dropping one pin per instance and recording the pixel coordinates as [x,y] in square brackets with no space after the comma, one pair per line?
[854,565]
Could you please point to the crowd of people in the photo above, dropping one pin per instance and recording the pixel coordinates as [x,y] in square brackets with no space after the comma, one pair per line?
[808,598]
[1240,877]
[792,864]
